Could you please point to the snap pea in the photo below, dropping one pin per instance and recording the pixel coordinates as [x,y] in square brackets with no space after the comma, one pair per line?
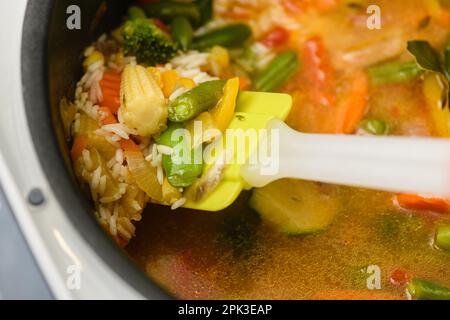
[200,99]
[180,174]
[136,13]
[277,73]
[426,290]
[230,36]
[375,127]
[169,10]
[395,72]
[443,237]
[182,32]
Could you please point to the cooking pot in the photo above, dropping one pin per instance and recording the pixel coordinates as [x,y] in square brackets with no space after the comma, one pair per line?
[40,65]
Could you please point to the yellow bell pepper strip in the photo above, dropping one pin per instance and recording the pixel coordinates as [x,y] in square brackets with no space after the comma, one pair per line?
[169,80]
[223,113]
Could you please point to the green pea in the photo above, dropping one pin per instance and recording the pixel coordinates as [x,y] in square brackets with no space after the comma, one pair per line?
[443,237]
[375,127]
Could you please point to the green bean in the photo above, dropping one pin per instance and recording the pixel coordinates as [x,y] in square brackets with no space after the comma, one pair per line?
[169,10]
[443,237]
[196,101]
[277,73]
[180,174]
[395,72]
[447,60]
[136,13]
[182,32]
[230,36]
[426,290]
[206,10]
[375,127]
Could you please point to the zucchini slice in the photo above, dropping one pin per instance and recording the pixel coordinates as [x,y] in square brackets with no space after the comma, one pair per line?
[295,207]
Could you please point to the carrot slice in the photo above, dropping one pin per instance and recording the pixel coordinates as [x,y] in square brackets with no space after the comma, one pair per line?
[111,100]
[78,146]
[110,85]
[112,77]
[354,106]
[106,116]
[423,203]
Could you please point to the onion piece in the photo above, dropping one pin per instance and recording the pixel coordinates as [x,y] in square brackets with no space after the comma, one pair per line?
[143,174]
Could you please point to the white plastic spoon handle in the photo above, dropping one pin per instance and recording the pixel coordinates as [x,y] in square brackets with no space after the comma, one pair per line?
[396,164]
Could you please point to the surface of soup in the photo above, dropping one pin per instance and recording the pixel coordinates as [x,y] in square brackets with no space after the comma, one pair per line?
[234,254]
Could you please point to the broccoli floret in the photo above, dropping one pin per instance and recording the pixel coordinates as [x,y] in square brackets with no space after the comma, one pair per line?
[147,42]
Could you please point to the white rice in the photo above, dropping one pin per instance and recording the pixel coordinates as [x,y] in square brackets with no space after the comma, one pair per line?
[76,123]
[87,159]
[111,199]
[124,173]
[116,169]
[113,225]
[178,92]
[178,204]
[119,129]
[123,232]
[154,158]
[95,179]
[102,185]
[119,156]
[165,150]
[160,174]
[149,157]
[190,60]
[135,205]
[203,77]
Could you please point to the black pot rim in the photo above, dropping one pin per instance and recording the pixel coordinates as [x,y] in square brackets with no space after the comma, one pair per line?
[34,73]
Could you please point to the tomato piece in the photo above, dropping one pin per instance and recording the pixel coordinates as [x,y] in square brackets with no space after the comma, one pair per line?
[278,37]
[399,277]
[318,71]
[422,203]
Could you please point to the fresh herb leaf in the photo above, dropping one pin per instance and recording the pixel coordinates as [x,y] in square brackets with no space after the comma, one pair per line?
[447,60]
[426,56]
[429,59]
